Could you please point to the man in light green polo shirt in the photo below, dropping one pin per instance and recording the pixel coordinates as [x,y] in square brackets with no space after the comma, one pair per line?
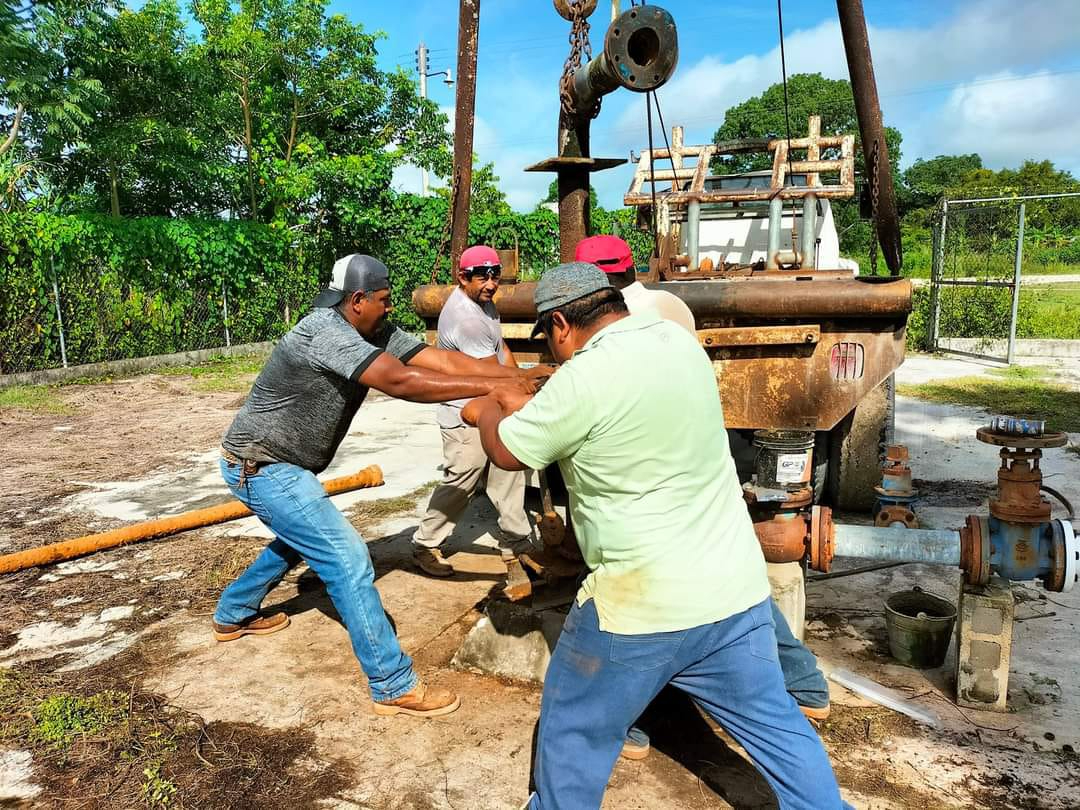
[677,591]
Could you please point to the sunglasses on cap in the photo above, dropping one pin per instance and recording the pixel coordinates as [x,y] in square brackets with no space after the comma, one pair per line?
[493,272]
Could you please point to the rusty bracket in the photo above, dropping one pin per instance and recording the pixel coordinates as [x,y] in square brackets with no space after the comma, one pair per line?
[802,334]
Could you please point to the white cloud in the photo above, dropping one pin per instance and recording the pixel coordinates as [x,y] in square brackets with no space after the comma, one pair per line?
[1007,118]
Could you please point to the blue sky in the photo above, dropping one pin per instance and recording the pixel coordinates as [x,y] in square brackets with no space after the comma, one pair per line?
[997,77]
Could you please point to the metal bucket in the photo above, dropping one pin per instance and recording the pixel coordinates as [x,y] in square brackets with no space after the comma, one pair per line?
[920,627]
[785,458]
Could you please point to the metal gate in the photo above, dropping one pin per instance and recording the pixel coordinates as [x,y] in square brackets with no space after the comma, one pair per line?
[976,273]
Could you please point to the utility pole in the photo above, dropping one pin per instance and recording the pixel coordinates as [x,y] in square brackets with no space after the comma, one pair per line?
[464,113]
[421,67]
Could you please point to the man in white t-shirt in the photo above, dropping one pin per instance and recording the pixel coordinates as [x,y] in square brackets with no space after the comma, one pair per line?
[612,255]
[470,324]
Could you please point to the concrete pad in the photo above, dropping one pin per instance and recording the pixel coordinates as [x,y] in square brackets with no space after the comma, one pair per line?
[511,641]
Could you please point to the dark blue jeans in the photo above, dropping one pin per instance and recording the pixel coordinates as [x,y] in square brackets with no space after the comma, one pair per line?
[802,678]
[291,502]
[598,683]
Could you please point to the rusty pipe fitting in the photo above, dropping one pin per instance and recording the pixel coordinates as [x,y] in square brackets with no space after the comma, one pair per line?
[641,49]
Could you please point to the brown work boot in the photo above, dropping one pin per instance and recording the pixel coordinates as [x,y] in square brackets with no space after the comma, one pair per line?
[431,562]
[816,714]
[636,745]
[421,701]
[257,626]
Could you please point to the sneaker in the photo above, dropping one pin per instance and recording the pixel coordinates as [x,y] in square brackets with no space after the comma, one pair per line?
[256,626]
[816,714]
[421,701]
[431,562]
[636,745]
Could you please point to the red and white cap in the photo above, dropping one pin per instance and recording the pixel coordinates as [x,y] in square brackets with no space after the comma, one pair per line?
[479,256]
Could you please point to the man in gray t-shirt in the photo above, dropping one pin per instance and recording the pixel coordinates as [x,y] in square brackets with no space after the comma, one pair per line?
[288,430]
[469,323]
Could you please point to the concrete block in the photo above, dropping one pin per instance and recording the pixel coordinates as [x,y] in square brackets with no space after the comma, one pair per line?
[789,591]
[512,641]
[983,644]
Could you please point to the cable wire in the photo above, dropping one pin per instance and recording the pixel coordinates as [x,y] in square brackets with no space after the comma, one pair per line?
[787,114]
[652,175]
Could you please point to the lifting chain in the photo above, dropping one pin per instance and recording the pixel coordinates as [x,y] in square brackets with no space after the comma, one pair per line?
[577,12]
[444,239]
[874,192]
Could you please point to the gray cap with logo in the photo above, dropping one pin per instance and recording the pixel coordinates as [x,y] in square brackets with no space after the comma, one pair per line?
[352,273]
[565,283]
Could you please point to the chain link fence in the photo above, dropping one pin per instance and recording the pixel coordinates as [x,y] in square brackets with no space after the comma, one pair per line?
[90,315]
[983,248]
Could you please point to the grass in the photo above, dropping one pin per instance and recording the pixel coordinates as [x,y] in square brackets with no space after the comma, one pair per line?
[219,373]
[1074,449]
[1016,391]
[128,748]
[1023,372]
[367,513]
[33,398]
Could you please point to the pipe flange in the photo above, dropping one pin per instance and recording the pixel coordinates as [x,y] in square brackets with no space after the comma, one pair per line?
[565,8]
[892,514]
[975,551]
[822,539]
[1071,553]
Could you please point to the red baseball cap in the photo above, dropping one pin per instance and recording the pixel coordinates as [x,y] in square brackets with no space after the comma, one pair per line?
[479,256]
[610,253]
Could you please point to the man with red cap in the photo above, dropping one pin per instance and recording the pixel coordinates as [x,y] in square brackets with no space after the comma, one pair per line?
[612,255]
[469,323]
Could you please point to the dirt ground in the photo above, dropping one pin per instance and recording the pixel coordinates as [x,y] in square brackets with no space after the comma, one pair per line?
[285,720]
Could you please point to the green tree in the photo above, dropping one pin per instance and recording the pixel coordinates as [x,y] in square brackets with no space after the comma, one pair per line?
[924,181]
[553,195]
[152,147]
[808,94]
[486,199]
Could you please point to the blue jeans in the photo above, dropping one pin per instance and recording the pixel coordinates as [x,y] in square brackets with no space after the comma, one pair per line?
[802,678]
[598,683]
[291,502]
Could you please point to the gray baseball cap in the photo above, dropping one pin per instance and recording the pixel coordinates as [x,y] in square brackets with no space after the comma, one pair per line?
[565,283]
[351,273]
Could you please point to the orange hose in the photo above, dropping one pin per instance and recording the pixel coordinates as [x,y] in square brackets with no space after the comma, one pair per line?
[147,530]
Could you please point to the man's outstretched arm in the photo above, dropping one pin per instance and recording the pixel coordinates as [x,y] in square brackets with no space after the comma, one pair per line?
[451,362]
[418,383]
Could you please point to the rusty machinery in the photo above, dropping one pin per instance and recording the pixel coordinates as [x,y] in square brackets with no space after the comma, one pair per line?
[795,351]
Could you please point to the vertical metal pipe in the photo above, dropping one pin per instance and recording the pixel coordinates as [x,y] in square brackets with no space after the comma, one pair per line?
[809,231]
[693,232]
[1016,284]
[937,270]
[464,114]
[871,129]
[225,313]
[573,210]
[776,213]
[59,316]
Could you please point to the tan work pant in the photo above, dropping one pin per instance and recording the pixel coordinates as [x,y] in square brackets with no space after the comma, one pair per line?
[467,469]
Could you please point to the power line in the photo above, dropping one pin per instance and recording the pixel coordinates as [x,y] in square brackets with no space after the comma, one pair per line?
[826,103]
